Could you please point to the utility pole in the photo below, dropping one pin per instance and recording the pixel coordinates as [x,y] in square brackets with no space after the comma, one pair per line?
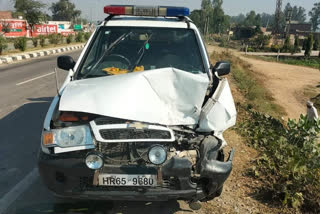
[288,22]
[277,25]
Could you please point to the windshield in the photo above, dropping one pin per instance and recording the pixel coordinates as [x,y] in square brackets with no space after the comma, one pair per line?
[120,50]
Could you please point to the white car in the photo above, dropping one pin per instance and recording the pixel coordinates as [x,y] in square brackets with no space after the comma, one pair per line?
[141,114]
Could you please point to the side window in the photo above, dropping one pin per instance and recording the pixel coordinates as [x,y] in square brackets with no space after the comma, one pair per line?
[98,48]
[93,54]
[205,46]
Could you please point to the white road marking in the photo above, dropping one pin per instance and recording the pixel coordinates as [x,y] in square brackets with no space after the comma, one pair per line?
[17,190]
[21,83]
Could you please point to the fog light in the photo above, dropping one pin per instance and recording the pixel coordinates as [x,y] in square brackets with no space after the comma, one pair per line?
[157,155]
[94,161]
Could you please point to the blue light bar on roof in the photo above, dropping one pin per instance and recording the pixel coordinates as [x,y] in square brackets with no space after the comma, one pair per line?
[146,10]
[178,11]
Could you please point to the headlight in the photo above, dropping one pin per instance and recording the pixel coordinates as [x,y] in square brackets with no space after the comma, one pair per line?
[157,155]
[68,137]
[94,161]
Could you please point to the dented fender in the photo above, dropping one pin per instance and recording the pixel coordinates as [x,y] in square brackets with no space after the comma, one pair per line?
[212,167]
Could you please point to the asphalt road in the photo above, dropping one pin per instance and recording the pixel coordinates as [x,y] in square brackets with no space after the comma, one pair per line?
[26,90]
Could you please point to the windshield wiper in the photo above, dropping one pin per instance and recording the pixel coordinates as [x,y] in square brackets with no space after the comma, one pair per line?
[111,47]
[142,55]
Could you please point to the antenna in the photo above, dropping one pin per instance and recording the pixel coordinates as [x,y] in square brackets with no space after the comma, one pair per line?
[57,80]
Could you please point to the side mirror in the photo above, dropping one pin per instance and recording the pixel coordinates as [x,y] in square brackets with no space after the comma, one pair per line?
[66,62]
[222,68]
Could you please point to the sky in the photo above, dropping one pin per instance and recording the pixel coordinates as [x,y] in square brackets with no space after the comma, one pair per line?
[93,9]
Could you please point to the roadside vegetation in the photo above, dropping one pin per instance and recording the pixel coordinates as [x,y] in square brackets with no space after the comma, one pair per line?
[312,62]
[316,101]
[3,44]
[288,165]
[35,12]
[22,44]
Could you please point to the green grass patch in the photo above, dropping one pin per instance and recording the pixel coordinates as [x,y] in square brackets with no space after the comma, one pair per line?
[300,61]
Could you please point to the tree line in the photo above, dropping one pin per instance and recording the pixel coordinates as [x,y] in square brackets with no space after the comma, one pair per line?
[33,11]
[211,18]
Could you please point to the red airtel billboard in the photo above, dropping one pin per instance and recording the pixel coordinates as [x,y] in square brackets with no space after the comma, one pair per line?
[44,30]
[16,28]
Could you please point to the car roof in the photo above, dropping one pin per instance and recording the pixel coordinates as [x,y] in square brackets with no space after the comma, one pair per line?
[142,21]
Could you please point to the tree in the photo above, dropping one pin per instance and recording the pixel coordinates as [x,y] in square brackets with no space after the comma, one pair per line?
[252,19]
[195,16]
[287,45]
[315,15]
[238,19]
[64,10]
[31,10]
[297,13]
[3,43]
[296,47]
[309,46]
[211,18]
[206,7]
[316,44]
[219,21]
[266,20]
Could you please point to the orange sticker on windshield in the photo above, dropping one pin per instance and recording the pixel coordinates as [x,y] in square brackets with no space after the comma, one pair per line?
[115,71]
[139,68]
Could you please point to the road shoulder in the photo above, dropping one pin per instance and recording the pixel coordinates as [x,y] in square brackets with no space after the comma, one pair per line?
[9,59]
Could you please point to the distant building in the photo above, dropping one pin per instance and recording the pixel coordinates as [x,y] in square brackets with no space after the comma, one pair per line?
[301,29]
[5,15]
[265,31]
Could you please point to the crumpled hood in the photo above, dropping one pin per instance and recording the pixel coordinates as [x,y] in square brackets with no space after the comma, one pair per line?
[165,96]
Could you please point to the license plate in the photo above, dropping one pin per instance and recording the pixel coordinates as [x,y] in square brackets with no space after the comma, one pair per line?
[127,180]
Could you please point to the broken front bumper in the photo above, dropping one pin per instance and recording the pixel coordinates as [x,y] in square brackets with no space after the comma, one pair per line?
[69,177]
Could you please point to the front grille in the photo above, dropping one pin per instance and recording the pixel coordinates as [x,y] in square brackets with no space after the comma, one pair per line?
[125,152]
[134,134]
[115,152]
[109,120]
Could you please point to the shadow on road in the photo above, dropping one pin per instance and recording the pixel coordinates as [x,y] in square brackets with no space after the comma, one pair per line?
[103,207]
[20,139]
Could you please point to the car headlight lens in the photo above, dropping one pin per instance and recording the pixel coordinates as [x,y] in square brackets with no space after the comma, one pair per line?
[157,155]
[94,161]
[68,137]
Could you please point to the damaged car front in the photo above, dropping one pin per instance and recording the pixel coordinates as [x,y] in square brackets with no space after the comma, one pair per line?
[139,117]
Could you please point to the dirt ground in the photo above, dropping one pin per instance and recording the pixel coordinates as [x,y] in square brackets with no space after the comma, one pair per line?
[289,84]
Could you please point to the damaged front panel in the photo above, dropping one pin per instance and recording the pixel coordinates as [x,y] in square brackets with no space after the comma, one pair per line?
[164,96]
[219,113]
